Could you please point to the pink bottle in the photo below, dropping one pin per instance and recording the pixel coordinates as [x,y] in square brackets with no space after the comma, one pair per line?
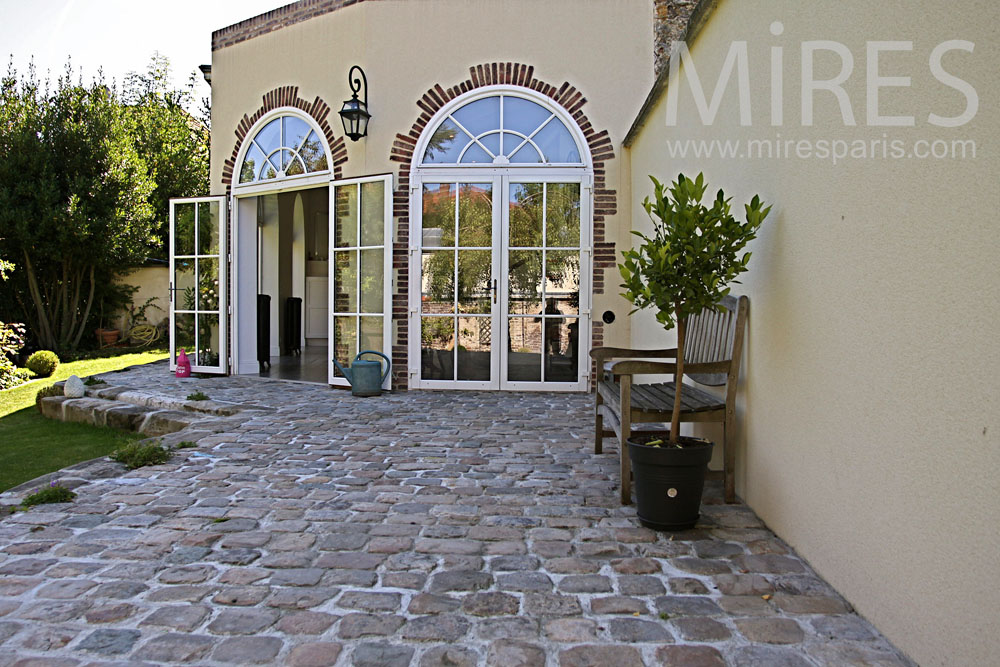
[183,365]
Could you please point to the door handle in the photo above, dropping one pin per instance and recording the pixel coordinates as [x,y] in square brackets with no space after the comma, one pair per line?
[494,290]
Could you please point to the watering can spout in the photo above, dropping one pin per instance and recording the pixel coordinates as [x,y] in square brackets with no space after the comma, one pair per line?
[345,371]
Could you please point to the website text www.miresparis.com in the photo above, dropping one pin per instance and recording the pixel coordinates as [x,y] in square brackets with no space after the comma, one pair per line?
[779,147]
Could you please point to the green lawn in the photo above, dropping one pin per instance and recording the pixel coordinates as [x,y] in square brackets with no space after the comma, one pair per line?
[22,396]
[31,445]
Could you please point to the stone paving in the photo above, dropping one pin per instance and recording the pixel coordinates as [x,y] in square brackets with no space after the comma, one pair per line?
[423,528]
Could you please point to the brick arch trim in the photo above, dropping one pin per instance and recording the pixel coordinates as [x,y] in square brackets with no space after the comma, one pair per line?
[288,96]
[402,152]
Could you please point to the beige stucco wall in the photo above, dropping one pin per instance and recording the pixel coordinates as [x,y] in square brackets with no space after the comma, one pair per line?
[153,282]
[870,409]
[602,47]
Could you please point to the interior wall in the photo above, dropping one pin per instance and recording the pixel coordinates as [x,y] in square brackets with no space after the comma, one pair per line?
[869,402]
[269,272]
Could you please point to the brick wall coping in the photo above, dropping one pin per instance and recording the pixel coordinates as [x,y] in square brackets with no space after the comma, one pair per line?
[278,18]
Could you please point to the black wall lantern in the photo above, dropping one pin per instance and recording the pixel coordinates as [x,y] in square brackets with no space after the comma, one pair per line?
[354,113]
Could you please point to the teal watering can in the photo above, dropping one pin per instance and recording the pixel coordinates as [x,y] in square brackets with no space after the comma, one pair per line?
[366,377]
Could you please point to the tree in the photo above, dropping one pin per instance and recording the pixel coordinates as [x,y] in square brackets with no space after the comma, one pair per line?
[74,198]
[687,263]
[170,139]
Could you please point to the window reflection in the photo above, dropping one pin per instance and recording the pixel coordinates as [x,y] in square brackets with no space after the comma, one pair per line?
[286,146]
[472,134]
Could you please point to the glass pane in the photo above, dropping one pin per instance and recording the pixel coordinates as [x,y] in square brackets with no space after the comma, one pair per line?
[562,281]
[251,164]
[371,335]
[296,131]
[480,116]
[526,214]
[184,333]
[476,155]
[491,142]
[437,343]
[438,215]
[561,345]
[269,137]
[286,159]
[523,115]
[313,154]
[475,276]
[295,167]
[208,228]
[524,155]
[373,213]
[446,143]
[437,282]
[184,297]
[208,284]
[524,362]
[475,215]
[346,228]
[345,287]
[372,281]
[268,171]
[524,281]
[345,341]
[183,228]
[474,343]
[562,215]
[556,143]
[208,341]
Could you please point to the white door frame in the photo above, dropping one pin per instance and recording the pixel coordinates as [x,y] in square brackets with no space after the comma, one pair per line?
[500,179]
[387,282]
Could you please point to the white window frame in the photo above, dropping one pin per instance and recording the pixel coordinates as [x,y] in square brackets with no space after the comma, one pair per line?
[492,91]
[288,182]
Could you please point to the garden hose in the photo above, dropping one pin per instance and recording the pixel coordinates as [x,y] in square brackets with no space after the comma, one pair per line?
[143,334]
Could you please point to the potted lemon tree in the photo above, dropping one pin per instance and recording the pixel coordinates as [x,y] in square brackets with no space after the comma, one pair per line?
[695,251]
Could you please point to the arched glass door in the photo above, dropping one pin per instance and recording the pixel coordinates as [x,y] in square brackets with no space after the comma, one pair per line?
[500,253]
[503,295]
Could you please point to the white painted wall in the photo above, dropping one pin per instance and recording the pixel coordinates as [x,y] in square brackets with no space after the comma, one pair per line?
[871,391]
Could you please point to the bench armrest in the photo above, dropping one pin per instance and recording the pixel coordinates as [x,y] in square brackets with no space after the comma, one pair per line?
[602,354]
[636,366]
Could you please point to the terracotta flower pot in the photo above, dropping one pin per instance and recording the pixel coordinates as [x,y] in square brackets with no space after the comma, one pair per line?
[107,337]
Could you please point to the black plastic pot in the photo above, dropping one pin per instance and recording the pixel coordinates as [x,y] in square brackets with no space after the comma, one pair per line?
[669,481]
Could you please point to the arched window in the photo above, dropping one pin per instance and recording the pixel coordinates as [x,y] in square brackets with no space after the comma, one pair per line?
[502,129]
[285,146]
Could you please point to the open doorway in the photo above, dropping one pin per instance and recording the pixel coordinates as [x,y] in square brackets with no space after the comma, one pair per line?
[292,282]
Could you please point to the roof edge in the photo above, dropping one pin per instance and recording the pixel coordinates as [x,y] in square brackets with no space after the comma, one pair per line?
[280,17]
[699,17]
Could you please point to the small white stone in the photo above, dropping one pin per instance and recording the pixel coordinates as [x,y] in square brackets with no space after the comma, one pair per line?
[74,387]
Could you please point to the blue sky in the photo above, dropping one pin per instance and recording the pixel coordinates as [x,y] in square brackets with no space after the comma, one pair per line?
[118,35]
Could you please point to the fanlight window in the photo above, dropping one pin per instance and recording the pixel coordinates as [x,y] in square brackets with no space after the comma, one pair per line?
[502,130]
[286,146]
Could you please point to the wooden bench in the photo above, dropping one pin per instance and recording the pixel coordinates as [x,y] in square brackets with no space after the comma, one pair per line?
[712,354]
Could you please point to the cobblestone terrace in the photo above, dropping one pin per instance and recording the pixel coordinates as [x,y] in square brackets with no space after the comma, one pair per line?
[418,528]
